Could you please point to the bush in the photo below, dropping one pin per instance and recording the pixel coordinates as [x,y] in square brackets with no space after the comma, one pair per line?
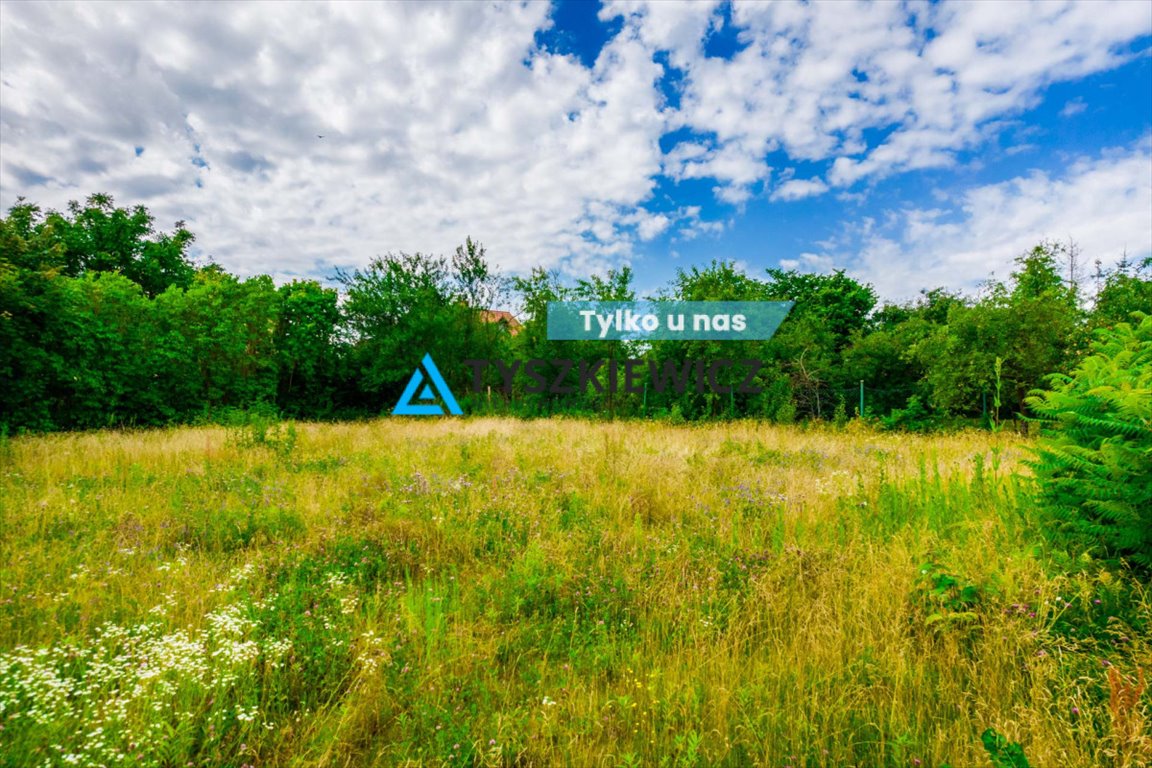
[1094,459]
[914,417]
[260,427]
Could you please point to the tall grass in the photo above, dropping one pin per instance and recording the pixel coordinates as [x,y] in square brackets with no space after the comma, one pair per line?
[497,592]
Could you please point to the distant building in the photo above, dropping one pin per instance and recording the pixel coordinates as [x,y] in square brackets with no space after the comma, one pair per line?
[507,319]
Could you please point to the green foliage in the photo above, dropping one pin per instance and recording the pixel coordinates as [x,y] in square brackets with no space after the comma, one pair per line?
[98,237]
[402,306]
[1126,289]
[947,599]
[306,342]
[541,287]
[261,427]
[723,281]
[105,321]
[1033,325]
[913,417]
[1094,463]
[810,344]
[1003,753]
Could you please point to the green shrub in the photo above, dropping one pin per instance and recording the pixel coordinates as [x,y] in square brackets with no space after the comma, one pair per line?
[1004,753]
[945,598]
[1093,462]
[261,427]
[914,417]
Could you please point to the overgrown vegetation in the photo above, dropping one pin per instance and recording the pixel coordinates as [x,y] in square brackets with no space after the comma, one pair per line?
[1094,467]
[105,321]
[494,592]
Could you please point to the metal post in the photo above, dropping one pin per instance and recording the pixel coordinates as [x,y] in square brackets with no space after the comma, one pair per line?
[861,398]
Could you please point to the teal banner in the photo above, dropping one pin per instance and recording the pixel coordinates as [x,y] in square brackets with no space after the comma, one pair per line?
[665,320]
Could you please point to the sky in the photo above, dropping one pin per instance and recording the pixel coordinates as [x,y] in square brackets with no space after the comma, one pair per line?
[914,145]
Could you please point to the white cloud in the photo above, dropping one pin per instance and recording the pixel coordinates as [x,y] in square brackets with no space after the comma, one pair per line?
[652,226]
[433,127]
[810,262]
[1103,204]
[798,189]
[1073,108]
[677,26]
[446,120]
[814,77]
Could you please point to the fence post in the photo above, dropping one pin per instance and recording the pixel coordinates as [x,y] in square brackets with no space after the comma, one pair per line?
[861,398]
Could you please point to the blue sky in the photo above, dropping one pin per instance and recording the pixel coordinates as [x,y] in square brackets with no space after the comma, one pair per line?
[912,144]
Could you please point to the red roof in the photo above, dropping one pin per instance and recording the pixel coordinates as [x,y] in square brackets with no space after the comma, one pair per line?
[501,316]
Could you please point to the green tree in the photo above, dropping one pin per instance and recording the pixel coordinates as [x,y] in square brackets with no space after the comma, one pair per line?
[215,342]
[809,345]
[306,343]
[99,237]
[882,354]
[34,320]
[723,281]
[397,309]
[532,343]
[402,306]
[1034,325]
[1127,288]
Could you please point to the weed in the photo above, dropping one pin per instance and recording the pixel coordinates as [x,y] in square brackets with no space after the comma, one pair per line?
[262,429]
[946,599]
[488,592]
[1004,753]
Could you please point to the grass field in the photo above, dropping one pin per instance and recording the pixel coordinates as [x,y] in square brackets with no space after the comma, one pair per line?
[497,592]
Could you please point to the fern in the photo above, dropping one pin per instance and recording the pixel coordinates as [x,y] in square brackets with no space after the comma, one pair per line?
[1093,463]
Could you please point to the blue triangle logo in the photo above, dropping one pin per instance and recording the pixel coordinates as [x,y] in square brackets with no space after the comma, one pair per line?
[437,385]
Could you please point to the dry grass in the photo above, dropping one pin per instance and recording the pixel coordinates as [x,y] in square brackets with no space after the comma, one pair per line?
[498,592]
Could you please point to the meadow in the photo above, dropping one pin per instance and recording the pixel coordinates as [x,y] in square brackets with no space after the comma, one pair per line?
[493,592]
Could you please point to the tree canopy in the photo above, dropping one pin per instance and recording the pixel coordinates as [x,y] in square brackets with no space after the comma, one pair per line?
[106,320]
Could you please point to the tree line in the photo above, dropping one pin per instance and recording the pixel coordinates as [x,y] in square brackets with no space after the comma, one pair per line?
[106,321]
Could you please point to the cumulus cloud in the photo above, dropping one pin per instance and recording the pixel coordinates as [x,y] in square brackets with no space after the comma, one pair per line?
[813,78]
[437,122]
[297,137]
[1102,204]
[810,262]
[798,189]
